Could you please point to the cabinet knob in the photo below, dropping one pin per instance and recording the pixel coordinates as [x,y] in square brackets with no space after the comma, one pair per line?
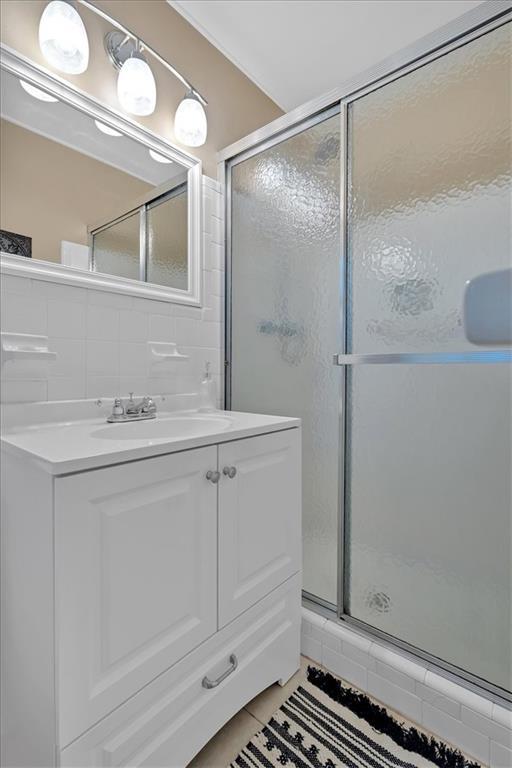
[229,471]
[213,476]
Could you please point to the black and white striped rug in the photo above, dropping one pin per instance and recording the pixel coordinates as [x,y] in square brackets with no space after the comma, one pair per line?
[325,724]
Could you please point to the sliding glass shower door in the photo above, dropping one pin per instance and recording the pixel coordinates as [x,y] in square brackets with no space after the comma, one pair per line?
[407,441]
[428,487]
[285,299]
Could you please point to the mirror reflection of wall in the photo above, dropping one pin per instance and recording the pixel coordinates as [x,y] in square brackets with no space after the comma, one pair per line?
[63,173]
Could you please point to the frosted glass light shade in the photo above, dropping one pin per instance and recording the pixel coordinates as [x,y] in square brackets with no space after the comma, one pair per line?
[190,124]
[63,39]
[136,87]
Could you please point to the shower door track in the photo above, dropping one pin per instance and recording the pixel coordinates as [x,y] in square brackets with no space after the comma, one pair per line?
[471,25]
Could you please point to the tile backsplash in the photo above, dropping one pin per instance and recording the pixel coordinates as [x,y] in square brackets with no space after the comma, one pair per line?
[101,339]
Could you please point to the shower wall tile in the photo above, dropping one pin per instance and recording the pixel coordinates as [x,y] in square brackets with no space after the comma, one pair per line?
[502,716]
[101,338]
[450,706]
[346,668]
[398,698]
[501,757]
[395,677]
[488,727]
[456,732]
[472,722]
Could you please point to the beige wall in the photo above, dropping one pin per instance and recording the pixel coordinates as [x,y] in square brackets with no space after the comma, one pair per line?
[52,193]
[236,106]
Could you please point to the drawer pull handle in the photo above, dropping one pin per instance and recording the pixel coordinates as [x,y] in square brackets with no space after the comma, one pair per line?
[213,476]
[233,664]
[229,471]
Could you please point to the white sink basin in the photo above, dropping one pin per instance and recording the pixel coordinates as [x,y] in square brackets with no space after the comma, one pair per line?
[165,428]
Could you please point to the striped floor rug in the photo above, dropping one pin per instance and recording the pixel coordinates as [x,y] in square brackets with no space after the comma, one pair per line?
[317,727]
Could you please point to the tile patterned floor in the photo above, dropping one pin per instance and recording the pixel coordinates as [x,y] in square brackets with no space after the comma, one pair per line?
[227,743]
[222,749]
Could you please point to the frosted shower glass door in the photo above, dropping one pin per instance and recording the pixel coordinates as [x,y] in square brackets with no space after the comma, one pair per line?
[285,320]
[428,496]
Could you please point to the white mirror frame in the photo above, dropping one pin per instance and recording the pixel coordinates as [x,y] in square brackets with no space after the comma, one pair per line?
[15,63]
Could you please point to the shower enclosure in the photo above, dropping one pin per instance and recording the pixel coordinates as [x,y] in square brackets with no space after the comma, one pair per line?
[352,234]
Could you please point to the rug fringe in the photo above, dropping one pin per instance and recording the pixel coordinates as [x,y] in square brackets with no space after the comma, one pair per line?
[379,718]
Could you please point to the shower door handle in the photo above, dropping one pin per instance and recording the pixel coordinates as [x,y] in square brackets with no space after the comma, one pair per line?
[426,358]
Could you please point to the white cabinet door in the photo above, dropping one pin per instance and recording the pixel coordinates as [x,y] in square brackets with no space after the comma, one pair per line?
[136,578]
[259,518]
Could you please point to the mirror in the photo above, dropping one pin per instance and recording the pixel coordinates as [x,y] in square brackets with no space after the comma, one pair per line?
[80,193]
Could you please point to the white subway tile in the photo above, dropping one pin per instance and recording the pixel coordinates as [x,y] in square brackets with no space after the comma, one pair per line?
[66,388]
[306,627]
[163,386]
[217,230]
[102,358]
[15,284]
[501,757]
[345,668]
[24,391]
[458,693]
[66,319]
[502,716]
[331,641]
[395,677]
[139,385]
[133,325]
[447,727]
[102,323]
[348,635]
[395,697]
[110,300]
[314,618]
[23,314]
[162,328]
[356,654]
[491,728]
[311,648]
[188,332]
[59,291]
[450,706]
[71,358]
[399,662]
[105,387]
[133,359]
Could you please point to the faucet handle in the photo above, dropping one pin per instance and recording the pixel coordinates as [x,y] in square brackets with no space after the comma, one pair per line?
[148,405]
[118,409]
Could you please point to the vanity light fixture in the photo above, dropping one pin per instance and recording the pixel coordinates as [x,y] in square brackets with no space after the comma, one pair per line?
[190,124]
[158,157]
[106,129]
[37,93]
[136,85]
[63,39]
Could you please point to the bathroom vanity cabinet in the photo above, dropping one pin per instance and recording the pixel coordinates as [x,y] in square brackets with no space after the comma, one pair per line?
[147,601]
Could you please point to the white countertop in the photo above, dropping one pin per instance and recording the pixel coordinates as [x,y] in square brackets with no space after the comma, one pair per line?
[65,446]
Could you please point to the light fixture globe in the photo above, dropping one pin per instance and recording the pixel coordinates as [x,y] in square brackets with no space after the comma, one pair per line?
[190,124]
[63,39]
[136,87]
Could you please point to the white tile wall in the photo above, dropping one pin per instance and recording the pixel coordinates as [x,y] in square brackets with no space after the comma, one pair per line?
[478,726]
[101,338]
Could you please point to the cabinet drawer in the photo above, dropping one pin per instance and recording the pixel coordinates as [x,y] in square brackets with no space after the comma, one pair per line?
[136,578]
[169,721]
[259,518]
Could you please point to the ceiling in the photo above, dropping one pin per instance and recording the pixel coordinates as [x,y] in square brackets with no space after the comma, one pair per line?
[295,50]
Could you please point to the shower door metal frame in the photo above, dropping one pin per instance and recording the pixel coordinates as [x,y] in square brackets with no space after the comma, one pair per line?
[471,25]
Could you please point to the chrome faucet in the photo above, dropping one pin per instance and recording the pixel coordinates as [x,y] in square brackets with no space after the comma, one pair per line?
[132,411]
